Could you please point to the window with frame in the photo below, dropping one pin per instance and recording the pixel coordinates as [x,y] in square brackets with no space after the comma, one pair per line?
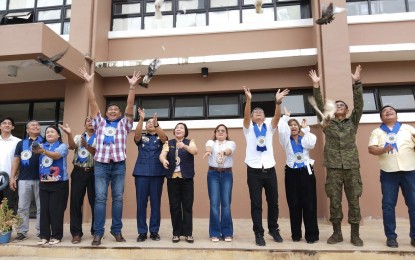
[46,112]
[142,15]
[56,14]
[402,98]
[365,7]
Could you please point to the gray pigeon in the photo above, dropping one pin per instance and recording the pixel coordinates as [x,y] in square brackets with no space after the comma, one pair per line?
[152,67]
[51,62]
[327,14]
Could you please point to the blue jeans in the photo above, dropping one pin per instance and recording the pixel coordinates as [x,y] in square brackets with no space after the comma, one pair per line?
[104,174]
[390,183]
[220,195]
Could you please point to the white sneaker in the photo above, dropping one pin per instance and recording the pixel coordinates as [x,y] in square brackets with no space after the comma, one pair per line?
[42,242]
[54,241]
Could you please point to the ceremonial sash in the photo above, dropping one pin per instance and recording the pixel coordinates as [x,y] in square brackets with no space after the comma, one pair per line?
[260,137]
[26,153]
[49,169]
[110,130]
[298,152]
[82,151]
[391,137]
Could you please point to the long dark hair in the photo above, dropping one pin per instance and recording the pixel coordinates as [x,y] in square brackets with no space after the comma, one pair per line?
[226,129]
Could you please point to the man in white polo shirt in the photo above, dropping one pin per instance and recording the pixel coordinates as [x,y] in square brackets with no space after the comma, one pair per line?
[260,165]
[8,144]
[394,144]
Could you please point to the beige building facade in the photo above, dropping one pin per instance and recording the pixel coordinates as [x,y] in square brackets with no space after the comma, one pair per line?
[264,53]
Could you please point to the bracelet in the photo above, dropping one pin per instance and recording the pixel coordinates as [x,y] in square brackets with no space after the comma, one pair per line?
[156,125]
[278,102]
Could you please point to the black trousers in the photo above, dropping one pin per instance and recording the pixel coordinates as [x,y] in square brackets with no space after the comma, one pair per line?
[81,182]
[53,199]
[266,179]
[181,195]
[300,189]
[12,197]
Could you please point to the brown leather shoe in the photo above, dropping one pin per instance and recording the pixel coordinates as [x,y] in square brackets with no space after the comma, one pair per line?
[76,239]
[96,241]
[118,237]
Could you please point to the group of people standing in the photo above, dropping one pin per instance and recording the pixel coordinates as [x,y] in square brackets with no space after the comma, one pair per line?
[100,154]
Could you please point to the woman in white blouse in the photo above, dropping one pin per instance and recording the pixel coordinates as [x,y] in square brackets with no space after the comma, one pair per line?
[220,159]
[300,181]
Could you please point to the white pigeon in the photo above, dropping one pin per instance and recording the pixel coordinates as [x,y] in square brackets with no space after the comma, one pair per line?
[157,8]
[258,6]
[329,110]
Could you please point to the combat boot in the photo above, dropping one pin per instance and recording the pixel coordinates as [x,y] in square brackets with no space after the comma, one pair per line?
[354,238]
[337,236]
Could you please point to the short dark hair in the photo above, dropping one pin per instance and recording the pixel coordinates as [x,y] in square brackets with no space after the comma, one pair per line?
[216,128]
[57,130]
[341,101]
[186,130]
[113,104]
[7,118]
[385,106]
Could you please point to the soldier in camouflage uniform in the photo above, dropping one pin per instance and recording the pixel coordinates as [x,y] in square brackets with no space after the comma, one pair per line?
[341,159]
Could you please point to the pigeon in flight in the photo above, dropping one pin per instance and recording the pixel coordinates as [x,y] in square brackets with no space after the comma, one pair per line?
[152,67]
[329,110]
[258,6]
[327,14]
[51,63]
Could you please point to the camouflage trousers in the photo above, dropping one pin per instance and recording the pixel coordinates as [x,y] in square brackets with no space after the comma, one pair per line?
[352,182]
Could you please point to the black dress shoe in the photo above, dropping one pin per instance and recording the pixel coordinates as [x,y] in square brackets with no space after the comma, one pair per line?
[155,236]
[413,242]
[118,237]
[141,237]
[96,241]
[275,235]
[391,242]
[259,240]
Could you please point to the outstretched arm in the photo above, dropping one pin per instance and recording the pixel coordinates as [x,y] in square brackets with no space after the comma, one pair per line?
[93,105]
[357,96]
[139,128]
[316,90]
[247,111]
[71,143]
[160,132]
[131,95]
[277,114]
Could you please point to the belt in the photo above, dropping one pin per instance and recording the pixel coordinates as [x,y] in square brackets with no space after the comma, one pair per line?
[220,169]
[84,169]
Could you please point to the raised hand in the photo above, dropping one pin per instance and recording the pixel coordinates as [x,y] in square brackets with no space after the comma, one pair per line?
[87,77]
[83,142]
[356,75]
[313,75]
[304,123]
[155,119]
[280,95]
[286,112]
[66,129]
[248,94]
[134,78]
[141,113]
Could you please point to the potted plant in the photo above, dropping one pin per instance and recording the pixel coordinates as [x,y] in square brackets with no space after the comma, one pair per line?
[8,220]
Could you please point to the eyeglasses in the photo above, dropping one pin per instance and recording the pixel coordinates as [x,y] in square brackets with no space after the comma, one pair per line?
[340,105]
[220,131]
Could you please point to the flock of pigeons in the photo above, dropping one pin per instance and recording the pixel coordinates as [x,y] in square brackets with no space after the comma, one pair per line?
[327,16]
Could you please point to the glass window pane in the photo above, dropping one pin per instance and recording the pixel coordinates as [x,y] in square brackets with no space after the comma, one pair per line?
[250,15]
[66,27]
[288,13]
[223,106]
[387,6]
[159,106]
[68,13]
[44,111]
[225,17]
[222,3]
[411,5]
[369,102]
[49,15]
[251,2]
[19,131]
[61,107]
[191,5]
[190,20]
[150,22]
[296,104]
[399,98]
[127,9]
[68,2]
[56,27]
[186,107]
[43,3]
[19,112]
[3,4]
[126,24]
[19,4]
[357,8]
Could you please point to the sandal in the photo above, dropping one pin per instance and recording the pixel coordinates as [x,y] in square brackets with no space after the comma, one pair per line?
[214,239]
[189,239]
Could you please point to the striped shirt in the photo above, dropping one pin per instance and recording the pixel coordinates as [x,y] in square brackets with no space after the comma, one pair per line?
[115,151]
